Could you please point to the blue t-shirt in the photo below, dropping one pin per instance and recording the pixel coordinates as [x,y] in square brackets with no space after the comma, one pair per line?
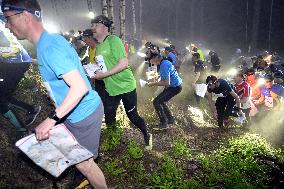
[168,72]
[173,57]
[265,91]
[56,57]
[278,89]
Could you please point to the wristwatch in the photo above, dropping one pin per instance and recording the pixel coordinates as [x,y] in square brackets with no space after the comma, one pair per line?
[52,115]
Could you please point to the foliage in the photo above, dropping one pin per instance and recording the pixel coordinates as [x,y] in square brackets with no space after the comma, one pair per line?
[134,150]
[180,148]
[32,80]
[113,168]
[111,138]
[167,176]
[138,173]
[237,165]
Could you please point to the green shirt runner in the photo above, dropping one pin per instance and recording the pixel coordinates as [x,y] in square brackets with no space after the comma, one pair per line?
[112,50]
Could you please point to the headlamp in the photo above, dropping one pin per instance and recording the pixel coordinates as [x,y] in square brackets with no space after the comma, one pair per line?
[20,9]
[232,72]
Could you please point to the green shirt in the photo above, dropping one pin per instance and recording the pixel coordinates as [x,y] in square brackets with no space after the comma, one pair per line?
[200,52]
[112,50]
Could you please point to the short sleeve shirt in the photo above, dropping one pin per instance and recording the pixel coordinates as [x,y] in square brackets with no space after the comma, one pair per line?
[278,89]
[173,57]
[242,89]
[265,91]
[56,57]
[224,88]
[112,51]
[168,72]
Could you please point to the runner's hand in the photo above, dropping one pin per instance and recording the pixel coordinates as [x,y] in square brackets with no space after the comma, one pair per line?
[100,76]
[151,84]
[42,131]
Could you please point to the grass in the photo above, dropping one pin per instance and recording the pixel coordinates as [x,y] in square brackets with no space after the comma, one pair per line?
[236,165]
[240,162]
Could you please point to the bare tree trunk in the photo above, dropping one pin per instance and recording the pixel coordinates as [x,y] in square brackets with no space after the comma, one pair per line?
[192,19]
[90,6]
[111,15]
[104,7]
[169,19]
[176,19]
[134,18]
[270,24]
[140,19]
[255,26]
[122,19]
[247,17]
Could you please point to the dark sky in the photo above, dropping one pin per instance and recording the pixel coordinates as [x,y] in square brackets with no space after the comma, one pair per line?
[215,23]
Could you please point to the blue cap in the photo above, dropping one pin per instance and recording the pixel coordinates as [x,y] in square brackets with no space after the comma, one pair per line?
[36,13]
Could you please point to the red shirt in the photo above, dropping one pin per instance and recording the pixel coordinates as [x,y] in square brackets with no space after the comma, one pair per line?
[243,89]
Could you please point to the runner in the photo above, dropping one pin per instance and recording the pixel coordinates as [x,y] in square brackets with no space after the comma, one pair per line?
[119,81]
[172,82]
[225,102]
[64,77]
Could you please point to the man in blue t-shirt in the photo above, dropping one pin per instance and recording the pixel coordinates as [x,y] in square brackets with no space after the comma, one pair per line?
[170,55]
[172,82]
[76,103]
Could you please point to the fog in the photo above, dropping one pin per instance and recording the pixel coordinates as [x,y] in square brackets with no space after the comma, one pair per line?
[222,25]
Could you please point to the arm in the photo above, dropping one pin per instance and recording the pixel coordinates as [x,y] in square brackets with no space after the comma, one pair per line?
[122,64]
[260,100]
[238,102]
[78,89]
[244,99]
[165,82]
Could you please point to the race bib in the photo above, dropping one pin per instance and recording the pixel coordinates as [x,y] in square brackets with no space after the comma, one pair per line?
[101,64]
[91,70]
[268,102]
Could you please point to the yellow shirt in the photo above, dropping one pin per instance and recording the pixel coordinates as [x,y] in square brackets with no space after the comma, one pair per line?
[92,55]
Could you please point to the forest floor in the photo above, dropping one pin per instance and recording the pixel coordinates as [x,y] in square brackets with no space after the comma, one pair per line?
[192,153]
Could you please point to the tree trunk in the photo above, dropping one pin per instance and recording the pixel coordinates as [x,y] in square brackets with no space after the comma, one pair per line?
[192,20]
[90,6]
[255,26]
[270,24]
[140,20]
[134,18]
[104,8]
[111,15]
[246,28]
[122,19]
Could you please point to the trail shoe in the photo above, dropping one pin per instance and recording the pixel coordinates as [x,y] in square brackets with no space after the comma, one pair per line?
[148,138]
[32,115]
[85,184]
[163,125]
